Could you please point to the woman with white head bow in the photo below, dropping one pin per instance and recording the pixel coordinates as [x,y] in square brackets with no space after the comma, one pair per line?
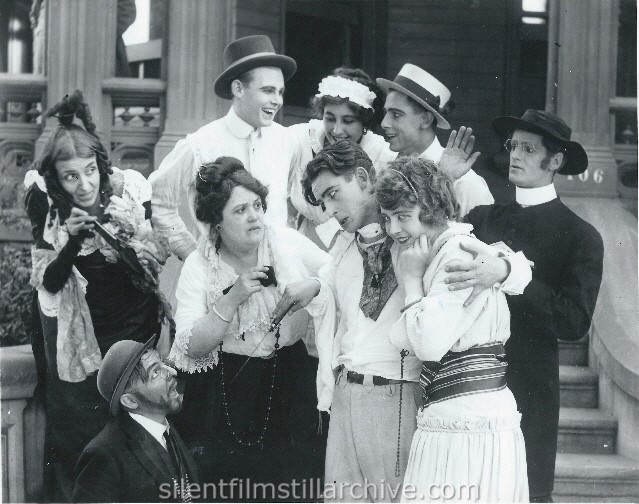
[350,106]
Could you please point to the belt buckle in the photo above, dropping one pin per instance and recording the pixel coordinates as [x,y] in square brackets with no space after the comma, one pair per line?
[368,380]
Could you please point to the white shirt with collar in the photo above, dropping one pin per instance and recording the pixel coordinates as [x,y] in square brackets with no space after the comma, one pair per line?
[152,427]
[471,189]
[265,153]
[362,344]
[535,196]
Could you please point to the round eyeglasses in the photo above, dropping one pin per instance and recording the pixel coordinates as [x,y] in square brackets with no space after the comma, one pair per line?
[526,148]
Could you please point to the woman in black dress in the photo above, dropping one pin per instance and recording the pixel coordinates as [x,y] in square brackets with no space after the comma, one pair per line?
[88,297]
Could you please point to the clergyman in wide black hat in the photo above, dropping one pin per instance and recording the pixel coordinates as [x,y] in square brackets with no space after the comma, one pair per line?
[558,303]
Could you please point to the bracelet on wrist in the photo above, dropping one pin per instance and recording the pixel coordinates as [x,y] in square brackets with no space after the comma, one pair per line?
[215,310]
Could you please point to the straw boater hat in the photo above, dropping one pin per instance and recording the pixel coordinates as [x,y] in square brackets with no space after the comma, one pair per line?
[553,127]
[116,368]
[421,87]
[248,53]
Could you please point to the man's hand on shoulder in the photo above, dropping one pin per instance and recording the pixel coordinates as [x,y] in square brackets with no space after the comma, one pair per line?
[458,158]
[484,271]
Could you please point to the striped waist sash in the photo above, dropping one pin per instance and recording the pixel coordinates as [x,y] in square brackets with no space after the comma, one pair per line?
[478,369]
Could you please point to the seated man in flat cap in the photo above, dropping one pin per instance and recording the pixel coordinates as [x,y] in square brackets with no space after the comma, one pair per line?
[138,456]
[559,302]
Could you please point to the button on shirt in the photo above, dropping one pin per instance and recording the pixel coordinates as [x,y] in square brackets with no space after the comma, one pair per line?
[265,153]
[471,189]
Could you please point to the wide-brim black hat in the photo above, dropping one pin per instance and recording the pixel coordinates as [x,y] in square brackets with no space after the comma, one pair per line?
[422,87]
[248,53]
[116,368]
[551,126]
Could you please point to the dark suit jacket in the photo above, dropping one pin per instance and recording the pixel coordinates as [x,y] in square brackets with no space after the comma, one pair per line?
[558,304]
[124,463]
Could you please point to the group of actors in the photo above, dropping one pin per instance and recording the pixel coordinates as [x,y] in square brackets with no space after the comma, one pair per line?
[350,307]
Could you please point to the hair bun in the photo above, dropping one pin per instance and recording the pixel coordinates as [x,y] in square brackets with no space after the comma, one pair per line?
[215,173]
[71,106]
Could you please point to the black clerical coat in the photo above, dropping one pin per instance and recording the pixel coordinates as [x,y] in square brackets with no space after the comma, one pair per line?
[124,463]
[557,304]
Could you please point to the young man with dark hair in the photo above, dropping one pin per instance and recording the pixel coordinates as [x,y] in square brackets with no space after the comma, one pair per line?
[138,456]
[376,394]
[559,302]
[416,104]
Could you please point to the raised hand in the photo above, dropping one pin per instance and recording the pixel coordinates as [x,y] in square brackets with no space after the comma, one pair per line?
[247,284]
[484,271]
[458,158]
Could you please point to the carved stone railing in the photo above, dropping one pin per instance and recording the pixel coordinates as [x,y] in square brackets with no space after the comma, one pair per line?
[23,427]
[137,115]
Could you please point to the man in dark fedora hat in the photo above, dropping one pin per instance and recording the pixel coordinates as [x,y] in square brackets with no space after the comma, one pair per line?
[253,80]
[138,456]
[416,104]
[558,303]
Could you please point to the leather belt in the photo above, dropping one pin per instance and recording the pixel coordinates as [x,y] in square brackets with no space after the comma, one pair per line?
[358,378]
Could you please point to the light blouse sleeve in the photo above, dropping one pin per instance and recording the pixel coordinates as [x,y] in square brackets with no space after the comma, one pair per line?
[191,297]
[439,319]
[169,182]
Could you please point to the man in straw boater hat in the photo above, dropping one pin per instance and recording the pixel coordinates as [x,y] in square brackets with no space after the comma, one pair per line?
[416,104]
[558,303]
[138,456]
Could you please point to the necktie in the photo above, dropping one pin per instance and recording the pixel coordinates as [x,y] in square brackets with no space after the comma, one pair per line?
[379,277]
[182,486]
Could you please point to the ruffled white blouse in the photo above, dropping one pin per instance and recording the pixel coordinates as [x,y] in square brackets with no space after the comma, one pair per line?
[204,277]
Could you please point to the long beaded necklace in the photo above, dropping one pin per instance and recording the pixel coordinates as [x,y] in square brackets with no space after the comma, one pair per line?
[227,417]
[403,355]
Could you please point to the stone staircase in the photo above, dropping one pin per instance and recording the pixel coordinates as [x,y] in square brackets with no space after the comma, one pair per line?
[588,468]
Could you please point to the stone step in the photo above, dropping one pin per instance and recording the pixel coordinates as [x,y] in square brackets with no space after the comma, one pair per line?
[573,353]
[586,430]
[577,387]
[595,478]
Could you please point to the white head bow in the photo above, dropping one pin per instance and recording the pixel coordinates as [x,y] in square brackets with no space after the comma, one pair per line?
[340,87]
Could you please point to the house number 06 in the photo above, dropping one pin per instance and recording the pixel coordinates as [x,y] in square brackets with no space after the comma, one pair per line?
[597,176]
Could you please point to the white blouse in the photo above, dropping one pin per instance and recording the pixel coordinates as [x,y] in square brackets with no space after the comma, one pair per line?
[204,277]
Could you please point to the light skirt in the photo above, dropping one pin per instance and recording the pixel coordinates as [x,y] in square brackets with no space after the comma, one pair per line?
[467,458]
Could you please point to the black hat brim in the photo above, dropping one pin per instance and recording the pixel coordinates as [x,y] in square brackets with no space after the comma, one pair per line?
[222,85]
[577,158]
[386,85]
[118,390]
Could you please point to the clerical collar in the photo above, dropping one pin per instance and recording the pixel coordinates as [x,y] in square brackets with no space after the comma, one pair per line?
[535,196]
[372,233]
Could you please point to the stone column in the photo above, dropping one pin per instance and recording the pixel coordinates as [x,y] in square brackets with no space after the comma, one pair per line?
[198,31]
[582,46]
[80,45]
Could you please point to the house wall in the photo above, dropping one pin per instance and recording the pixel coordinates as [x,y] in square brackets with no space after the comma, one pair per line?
[461,42]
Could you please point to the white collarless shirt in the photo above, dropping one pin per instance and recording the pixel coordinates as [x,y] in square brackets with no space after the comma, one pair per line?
[535,196]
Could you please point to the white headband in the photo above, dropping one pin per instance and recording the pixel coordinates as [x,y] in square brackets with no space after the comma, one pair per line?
[353,91]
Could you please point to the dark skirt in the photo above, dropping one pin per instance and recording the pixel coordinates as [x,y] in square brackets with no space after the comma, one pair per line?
[76,412]
[259,428]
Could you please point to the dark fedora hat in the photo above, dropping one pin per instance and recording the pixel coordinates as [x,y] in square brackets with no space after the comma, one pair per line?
[551,126]
[422,87]
[116,368]
[247,53]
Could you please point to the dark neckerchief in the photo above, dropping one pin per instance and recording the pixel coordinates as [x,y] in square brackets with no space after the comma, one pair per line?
[379,277]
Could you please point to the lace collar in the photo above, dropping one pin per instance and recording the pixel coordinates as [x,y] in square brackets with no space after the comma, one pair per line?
[254,315]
